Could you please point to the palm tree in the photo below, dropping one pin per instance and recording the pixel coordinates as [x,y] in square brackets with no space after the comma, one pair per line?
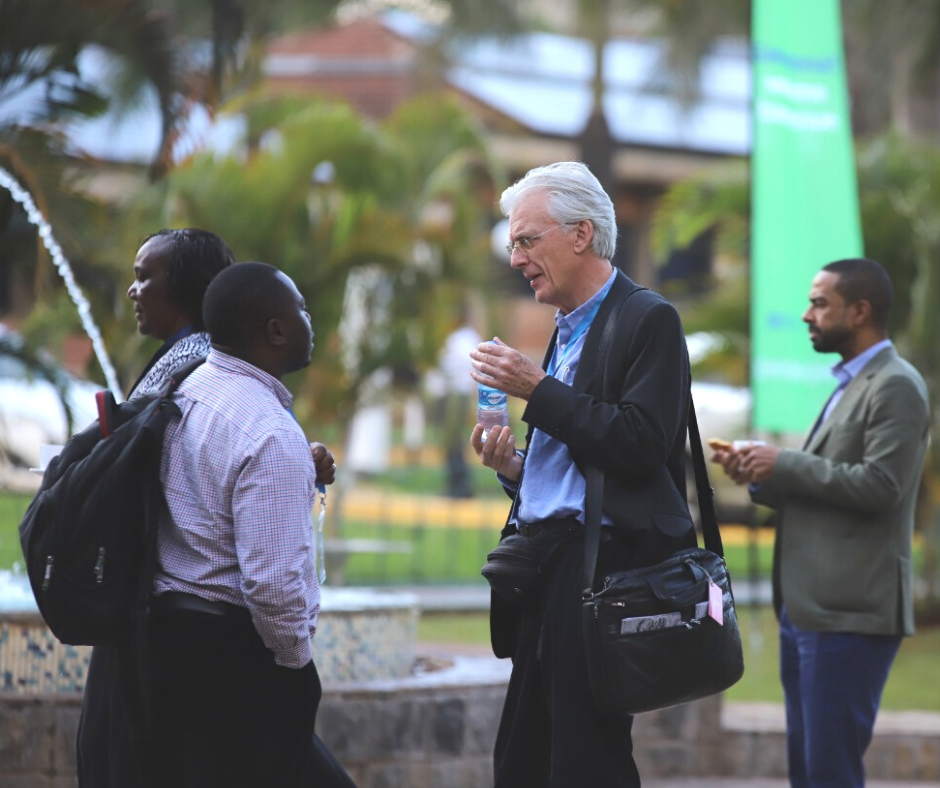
[43,89]
[41,75]
[330,194]
[44,86]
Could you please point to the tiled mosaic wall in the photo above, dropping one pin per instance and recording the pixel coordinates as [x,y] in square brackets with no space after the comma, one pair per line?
[362,645]
[354,642]
[32,660]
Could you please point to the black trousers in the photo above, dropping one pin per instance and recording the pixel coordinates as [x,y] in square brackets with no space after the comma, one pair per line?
[550,734]
[111,743]
[226,715]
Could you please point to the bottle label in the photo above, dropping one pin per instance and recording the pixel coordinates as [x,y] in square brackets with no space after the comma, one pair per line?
[491,398]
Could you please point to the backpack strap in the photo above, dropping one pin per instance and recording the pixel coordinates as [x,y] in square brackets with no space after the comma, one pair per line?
[104,400]
[157,507]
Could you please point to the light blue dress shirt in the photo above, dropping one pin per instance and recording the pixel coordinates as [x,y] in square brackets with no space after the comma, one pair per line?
[845,371]
[552,486]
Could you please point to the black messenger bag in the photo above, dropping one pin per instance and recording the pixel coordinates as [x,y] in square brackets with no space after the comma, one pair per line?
[660,635]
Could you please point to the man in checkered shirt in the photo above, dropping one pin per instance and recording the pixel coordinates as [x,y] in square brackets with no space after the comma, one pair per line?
[236,595]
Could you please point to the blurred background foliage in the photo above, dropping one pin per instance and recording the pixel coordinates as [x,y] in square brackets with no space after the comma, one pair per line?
[403,208]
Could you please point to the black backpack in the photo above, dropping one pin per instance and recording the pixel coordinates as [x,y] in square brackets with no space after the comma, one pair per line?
[89,535]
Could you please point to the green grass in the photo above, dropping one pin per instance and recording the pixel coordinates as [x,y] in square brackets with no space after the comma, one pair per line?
[12,508]
[470,629]
[432,480]
[439,554]
[746,561]
[445,554]
[912,683]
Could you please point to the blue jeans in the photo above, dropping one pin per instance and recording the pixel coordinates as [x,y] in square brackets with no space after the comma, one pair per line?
[832,683]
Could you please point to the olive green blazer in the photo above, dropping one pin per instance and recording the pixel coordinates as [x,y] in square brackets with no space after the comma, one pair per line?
[845,506]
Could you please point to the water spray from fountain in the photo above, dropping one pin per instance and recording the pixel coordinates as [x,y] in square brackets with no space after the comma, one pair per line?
[35,217]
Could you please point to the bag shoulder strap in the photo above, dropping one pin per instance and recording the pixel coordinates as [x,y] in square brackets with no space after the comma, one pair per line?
[594,496]
[705,493]
[594,477]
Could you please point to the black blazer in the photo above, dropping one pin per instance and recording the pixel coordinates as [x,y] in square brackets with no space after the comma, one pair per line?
[630,419]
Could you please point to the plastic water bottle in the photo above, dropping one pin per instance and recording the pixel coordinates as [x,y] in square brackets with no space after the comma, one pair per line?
[492,407]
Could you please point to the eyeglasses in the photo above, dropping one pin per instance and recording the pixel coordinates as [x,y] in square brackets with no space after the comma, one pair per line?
[525,244]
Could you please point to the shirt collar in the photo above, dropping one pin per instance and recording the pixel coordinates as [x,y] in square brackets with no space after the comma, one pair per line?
[845,371]
[575,316]
[228,363]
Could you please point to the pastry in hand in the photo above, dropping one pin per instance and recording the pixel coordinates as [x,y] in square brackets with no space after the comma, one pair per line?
[719,445]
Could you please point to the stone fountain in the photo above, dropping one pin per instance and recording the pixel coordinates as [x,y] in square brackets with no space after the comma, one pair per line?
[363,635]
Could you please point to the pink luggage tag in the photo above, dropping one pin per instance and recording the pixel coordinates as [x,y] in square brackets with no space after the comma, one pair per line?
[715,609]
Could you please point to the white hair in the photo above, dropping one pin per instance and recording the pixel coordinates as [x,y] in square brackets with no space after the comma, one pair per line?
[574,194]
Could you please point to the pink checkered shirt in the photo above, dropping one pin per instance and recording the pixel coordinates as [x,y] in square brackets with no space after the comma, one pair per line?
[240,484]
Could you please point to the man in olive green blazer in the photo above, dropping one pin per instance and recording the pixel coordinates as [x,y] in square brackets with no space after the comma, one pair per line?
[843,581]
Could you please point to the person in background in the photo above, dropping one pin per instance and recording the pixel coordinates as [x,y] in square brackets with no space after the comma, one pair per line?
[459,391]
[562,237]
[235,595]
[843,572]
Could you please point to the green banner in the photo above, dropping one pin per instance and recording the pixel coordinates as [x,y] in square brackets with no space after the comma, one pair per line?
[805,201]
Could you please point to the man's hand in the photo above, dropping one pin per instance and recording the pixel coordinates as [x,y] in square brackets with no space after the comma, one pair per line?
[758,462]
[748,465]
[730,461]
[503,368]
[324,463]
[498,451]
